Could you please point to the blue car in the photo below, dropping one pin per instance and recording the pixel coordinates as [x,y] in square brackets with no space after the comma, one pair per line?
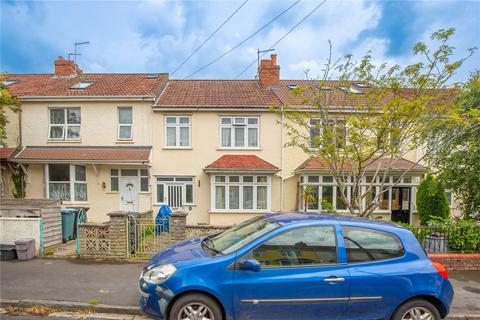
[297,266]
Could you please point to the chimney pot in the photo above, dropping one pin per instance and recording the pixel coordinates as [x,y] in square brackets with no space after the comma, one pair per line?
[273,56]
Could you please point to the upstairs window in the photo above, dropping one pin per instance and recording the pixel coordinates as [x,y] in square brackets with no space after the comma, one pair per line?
[334,130]
[64,124]
[177,131]
[239,132]
[125,121]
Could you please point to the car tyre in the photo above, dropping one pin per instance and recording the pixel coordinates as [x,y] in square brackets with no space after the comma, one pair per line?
[195,304]
[415,309]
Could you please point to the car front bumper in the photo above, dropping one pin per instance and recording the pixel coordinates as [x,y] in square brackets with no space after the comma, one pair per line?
[154,298]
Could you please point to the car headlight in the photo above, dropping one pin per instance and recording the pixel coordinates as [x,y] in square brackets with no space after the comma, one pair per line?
[159,274]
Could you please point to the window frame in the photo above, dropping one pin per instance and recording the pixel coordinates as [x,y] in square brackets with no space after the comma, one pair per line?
[374,230]
[65,125]
[241,184]
[177,125]
[249,254]
[174,181]
[139,178]
[120,125]
[320,129]
[232,125]
[72,180]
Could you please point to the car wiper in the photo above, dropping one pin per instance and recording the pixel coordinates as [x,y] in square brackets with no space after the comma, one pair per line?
[208,243]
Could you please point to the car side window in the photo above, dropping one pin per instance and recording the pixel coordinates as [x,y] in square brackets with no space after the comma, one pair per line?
[364,245]
[299,247]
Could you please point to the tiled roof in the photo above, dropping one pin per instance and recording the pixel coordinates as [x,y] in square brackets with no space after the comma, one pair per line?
[6,153]
[100,154]
[395,164]
[105,84]
[216,93]
[241,163]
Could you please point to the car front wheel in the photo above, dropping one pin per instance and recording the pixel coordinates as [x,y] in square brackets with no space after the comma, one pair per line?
[195,306]
[417,310]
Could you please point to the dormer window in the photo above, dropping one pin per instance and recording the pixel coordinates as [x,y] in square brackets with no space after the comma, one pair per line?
[81,85]
[361,84]
[9,82]
[292,86]
[152,76]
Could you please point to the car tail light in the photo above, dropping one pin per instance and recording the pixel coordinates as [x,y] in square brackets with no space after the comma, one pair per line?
[440,268]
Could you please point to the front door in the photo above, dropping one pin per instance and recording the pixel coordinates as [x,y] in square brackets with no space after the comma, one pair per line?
[129,194]
[299,278]
[401,204]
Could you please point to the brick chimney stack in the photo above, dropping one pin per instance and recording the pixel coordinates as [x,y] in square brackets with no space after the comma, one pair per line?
[66,68]
[269,72]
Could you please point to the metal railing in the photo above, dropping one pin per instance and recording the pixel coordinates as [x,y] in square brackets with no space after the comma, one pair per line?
[146,236]
[448,239]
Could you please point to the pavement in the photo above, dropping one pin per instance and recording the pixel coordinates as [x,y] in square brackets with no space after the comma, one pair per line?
[109,288]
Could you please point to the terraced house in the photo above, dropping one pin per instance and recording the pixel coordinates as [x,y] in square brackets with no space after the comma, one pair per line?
[212,147]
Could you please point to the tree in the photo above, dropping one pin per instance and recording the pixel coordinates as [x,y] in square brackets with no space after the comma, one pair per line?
[6,101]
[458,162]
[393,110]
[431,200]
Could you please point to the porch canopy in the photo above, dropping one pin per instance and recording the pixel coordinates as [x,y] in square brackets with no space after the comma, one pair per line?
[394,164]
[241,163]
[88,155]
[6,153]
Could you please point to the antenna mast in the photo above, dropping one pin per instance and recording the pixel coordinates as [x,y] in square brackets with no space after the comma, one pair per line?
[75,54]
[258,57]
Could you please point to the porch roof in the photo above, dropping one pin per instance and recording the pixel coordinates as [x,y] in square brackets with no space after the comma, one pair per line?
[396,164]
[137,155]
[241,163]
[6,153]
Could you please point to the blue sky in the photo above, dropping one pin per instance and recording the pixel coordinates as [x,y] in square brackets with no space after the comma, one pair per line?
[156,36]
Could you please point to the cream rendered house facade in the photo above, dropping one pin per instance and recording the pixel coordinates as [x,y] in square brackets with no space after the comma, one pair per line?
[210,147]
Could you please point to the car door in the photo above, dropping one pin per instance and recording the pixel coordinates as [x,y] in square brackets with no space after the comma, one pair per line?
[377,270]
[299,278]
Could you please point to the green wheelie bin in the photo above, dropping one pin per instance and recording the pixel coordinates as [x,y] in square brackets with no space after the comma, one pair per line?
[68,223]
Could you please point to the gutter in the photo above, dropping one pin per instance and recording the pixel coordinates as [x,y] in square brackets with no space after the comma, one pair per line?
[87,98]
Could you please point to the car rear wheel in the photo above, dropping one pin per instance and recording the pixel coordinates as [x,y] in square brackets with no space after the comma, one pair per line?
[417,310]
[195,306]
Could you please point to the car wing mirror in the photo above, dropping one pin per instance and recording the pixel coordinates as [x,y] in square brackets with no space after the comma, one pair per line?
[249,264]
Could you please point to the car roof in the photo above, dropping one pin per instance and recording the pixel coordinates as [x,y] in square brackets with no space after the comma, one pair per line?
[303,217]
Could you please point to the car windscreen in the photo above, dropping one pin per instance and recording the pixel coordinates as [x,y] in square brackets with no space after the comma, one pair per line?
[242,234]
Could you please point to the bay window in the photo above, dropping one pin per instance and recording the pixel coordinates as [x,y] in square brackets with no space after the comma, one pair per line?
[65,180]
[178,131]
[239,132]
[64,124]
[241,193]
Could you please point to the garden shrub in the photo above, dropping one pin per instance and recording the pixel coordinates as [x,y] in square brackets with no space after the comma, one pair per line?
[431,200]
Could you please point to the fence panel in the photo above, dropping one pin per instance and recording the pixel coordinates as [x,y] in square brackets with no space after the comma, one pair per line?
[448,239]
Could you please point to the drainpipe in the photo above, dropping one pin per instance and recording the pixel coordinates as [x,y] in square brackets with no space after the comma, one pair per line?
[282,163]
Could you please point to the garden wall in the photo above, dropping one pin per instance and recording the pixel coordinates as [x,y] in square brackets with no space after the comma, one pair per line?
[458,261]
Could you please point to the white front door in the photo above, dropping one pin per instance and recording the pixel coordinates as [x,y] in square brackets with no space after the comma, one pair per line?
[129,194]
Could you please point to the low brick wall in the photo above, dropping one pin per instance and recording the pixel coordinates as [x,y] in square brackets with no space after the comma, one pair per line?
[458,261]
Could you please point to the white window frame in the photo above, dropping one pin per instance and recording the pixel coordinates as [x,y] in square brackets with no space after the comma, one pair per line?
[72,181]
[120,125]
[234,123]
[175,181]
[65,125]
[320,128]
[139,177]
[177,125]
[255,184]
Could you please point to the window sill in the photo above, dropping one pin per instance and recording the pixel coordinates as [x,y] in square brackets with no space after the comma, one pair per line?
[238,149]
[64,141]
[124,142]
[177,148]
[72,203]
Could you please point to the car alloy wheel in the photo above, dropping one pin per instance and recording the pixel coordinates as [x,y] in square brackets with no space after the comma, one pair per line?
[418,313]
[195,311]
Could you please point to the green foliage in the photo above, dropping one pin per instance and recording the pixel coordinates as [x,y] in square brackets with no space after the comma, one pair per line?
[49,252]
[462,235]
[309,197]
[458,161]
[328,208]
[6,102]
[93,302]
[431,200]
[19,184]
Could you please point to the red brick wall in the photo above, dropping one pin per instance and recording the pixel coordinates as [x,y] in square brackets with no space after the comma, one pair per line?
[458,261]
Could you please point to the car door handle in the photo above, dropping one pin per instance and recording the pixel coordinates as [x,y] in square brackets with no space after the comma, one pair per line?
[334,279]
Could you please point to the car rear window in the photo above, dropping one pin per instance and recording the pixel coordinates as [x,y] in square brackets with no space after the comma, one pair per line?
[364,245]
